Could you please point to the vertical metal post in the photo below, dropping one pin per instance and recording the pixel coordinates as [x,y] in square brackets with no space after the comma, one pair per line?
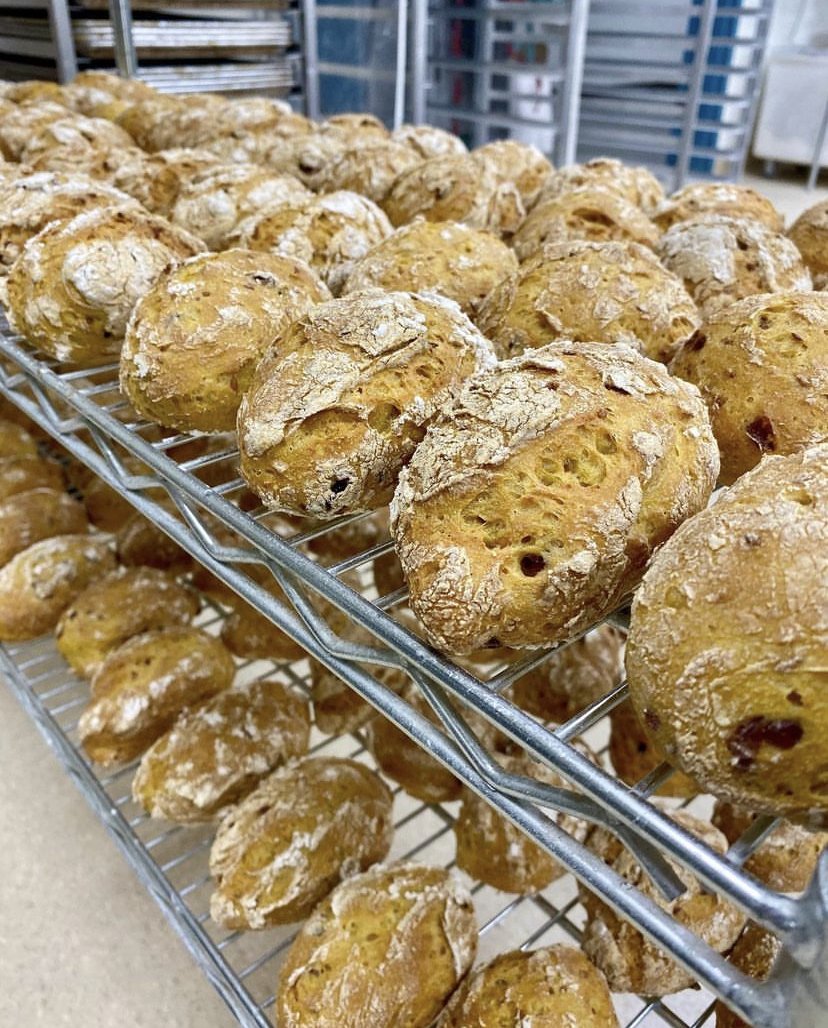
[567,138]
[419,59]
[816,163]
[688,129]
[757,58]
[401,68]
[310,45]
[120,14]
[60,24]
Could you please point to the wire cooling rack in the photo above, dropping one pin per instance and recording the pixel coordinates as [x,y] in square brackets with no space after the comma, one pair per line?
[85,412]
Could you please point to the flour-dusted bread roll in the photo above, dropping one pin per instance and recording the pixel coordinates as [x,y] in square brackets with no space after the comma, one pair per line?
[357,125]
[215,755]
[72,289]
[459,262]
[213,203]
[161,121]
[629,961]
[633,754]
[329,233]
[603,292]
[532,506]
[728,642]
[554,987]
[140,542]
[194,340]
[91,89]
[307,826]
[701,198]
[595,214]
[635,184]
[143,686]
[15,440]
[74,136]
[18,124]
[456,187]
[493,850]
[252,636]
[785,860]
[761,364]
[429,141]
[36,514]
[755,953]
[39,583]
[116,607]
[810,235]
[518,163]
[722,259]
[156,180]
[369,168]
[308,156]
[21,473]
[385,950]
[338,406]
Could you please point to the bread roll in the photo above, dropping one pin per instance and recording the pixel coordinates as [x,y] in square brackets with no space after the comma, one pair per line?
[38,583]
[252,636]
[457,187]
[15,441]
[106,508]
[531,507]
[518,163]
[809,234]
[91,89]
[359,125]
[436,256]
[216,754]
[337,408]
[20,474]
[72,289]
[74,134]
[762,367]
[116,607]
[18,124]
[369,170]
[140,542]
[786,859]
[308,156]
[429,141]
[543,988]
[195,338]
[701,198]
[329,233]
[755,953]
[36,90]
[629,961]
[214,202]
[156,180]
[37,514]
[143,686]
[388,573]
[595,214]
[634,754]
[635,184]
[722,259]
[162,121]
[592,292]
[728,641]
[385,950]
[305,828]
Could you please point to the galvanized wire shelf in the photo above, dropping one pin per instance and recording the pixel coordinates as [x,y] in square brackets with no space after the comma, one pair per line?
[84,411]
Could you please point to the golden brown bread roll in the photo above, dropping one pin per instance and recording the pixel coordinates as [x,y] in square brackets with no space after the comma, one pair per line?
[252,636]
[161,121]
[532,506]
[761,365]
[595,214]
[74,135]
[755,953]
[116,607]
[307,826]
[440,256]
[15,440]
[215,755]
[329,233]
[155,180]
[603,292]
[195,338]
[810,236]
[36,90]
[635,184]
[360,125]
[140,542]
[142,687]
[543,988]
[39,583]
[700,198]
[385,950]
[727,645]
[18,124]
[429,141]
[722,259]
[629,961]
[308,156]
[338,406]
[518,163]
[20,474]
[634,754]
[368,169]
[36,514]
[91,89]
[72,289]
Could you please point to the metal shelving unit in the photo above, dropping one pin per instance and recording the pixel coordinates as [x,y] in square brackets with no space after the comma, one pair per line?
[66,402]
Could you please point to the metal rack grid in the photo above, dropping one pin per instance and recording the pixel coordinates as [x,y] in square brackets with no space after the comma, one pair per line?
[69,401]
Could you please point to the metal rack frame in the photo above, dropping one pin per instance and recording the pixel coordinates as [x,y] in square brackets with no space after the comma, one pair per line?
[65,402]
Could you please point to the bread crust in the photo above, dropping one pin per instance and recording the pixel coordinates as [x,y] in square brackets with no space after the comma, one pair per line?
[636,184]
[37,514]
[520,164]
[809,234]
[429,141]
[701,198]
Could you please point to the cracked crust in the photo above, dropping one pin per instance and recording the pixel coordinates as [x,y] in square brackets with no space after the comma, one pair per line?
[701,198]
[518,163]
[429,141]
[37,514]
[369,170]
[19,123]
[531,507]
[635,184]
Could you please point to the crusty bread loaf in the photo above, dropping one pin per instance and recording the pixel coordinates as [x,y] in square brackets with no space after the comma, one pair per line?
[459,262]
[304,828]
[74,135]
[761,365]
[629,961]
[543,988]
[369,168]
[755,953]
[215,755]
[194,340]
[429,141]
[700,198]
[521,164]
[722,259]
[18,123]
[635,184]
[160,121]
[15,440]
[116,607]
[385,950]
[603,292]
[634,754]
[36,514]
[308,156]
[22,473]
[728,642]
[337,408]
[156,180]
[532,506]
[810,235]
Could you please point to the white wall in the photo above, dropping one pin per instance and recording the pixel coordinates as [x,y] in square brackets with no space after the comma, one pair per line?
[797,22]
